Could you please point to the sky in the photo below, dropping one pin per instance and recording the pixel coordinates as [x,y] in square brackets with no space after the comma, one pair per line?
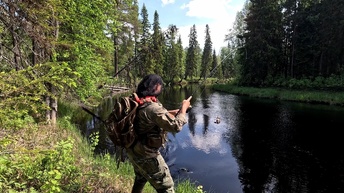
[218,14]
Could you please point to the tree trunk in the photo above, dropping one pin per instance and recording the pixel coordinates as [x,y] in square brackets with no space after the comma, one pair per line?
[53,100]
[15,42]
[115,55]
[47,113]
[51,113]
[53,107]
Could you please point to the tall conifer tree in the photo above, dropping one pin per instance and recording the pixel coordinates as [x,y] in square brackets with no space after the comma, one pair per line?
[206,56]
[180,52]
[263,42]
[216,68]
[144,44]
[171,54]
[158,46]
[191,55]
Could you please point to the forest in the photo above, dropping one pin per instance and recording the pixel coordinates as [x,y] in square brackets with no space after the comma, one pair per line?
[56,49]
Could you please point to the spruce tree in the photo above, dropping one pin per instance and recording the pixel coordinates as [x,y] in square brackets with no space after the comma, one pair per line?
[206,55]
[191,55]
[180,65]
[158,46]
[263,43]
[171,54]
[216,68]
[144,62]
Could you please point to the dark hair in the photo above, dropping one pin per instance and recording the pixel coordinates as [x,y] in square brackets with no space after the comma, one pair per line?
[147,85]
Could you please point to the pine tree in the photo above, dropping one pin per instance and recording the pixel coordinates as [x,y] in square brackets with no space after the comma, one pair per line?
[124,37]
[229,56]
[144,64]
[158,46]
[226,62]
[171,54]
[180,66]
[206,56]
[191,56]
[216,68]
[263,43]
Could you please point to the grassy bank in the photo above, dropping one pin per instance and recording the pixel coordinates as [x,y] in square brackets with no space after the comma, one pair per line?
[308,96]
[42,158]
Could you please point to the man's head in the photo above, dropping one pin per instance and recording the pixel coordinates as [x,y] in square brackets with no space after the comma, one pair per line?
[150,85]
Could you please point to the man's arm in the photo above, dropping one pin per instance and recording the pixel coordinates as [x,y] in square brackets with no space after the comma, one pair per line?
[173,112]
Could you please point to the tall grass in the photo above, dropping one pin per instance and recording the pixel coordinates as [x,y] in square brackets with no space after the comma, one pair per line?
[308,96]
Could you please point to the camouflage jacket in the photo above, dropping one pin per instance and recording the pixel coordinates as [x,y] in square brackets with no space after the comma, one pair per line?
[152,123]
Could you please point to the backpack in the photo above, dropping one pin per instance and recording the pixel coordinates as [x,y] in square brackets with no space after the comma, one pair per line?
[120,122]
[119,125]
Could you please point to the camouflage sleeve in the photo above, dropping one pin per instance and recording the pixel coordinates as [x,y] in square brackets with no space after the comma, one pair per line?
[164,120]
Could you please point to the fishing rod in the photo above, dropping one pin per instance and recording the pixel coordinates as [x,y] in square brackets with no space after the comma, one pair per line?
[212,72]
[129,63]
[94,115]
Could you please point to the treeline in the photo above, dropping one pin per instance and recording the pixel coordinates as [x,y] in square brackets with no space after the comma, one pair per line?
[293,43]
[55,48]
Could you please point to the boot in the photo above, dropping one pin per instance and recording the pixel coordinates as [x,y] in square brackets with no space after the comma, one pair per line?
[138,187]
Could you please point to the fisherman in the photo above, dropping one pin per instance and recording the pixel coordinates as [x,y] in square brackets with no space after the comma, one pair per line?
[151,124]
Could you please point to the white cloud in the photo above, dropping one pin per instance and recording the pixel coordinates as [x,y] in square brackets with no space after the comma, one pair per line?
[217,9]
[211,142]
[221,14]
[166,2]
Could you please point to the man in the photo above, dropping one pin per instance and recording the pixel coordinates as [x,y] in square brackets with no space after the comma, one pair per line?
[152,123]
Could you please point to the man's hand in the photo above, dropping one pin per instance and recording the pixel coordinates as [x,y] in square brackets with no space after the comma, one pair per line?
[185,105]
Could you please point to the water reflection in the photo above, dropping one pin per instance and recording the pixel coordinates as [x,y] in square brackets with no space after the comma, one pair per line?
[282,151]
[259,145]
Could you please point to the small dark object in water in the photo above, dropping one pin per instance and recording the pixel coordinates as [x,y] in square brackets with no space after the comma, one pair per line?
[217,120]
[184,170]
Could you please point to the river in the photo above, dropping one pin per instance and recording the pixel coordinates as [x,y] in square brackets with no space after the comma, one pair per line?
[259,145]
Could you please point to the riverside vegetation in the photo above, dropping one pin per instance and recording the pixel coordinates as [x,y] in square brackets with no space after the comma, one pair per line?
[319,91]
[43,158]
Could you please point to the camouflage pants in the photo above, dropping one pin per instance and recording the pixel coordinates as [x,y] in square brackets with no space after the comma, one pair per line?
[154,170]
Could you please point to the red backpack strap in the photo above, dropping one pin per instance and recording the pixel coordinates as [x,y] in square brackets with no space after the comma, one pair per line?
[137,99]
[143,100]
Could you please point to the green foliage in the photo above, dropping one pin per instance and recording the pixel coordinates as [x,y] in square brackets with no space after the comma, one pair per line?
[23,91]
[173,55]
[145,65]
[14,119]
[334,82]
[206,55]
[38,170]
[84,44]
[282,38]
[157,45]
[58,159]
[94,140]
[299,95]
[189,187]
[191,55]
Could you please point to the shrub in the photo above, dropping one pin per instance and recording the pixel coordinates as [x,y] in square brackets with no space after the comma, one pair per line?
[38,170]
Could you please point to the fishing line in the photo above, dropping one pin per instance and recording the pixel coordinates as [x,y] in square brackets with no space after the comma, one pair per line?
[212,72]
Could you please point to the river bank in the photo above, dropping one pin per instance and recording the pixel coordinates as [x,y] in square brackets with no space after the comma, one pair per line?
[306,96]
[44,158]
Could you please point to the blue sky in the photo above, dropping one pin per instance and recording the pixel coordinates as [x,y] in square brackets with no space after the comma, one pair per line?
[218,14]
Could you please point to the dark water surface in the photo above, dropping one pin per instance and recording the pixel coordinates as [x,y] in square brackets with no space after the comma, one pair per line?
[259,145]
